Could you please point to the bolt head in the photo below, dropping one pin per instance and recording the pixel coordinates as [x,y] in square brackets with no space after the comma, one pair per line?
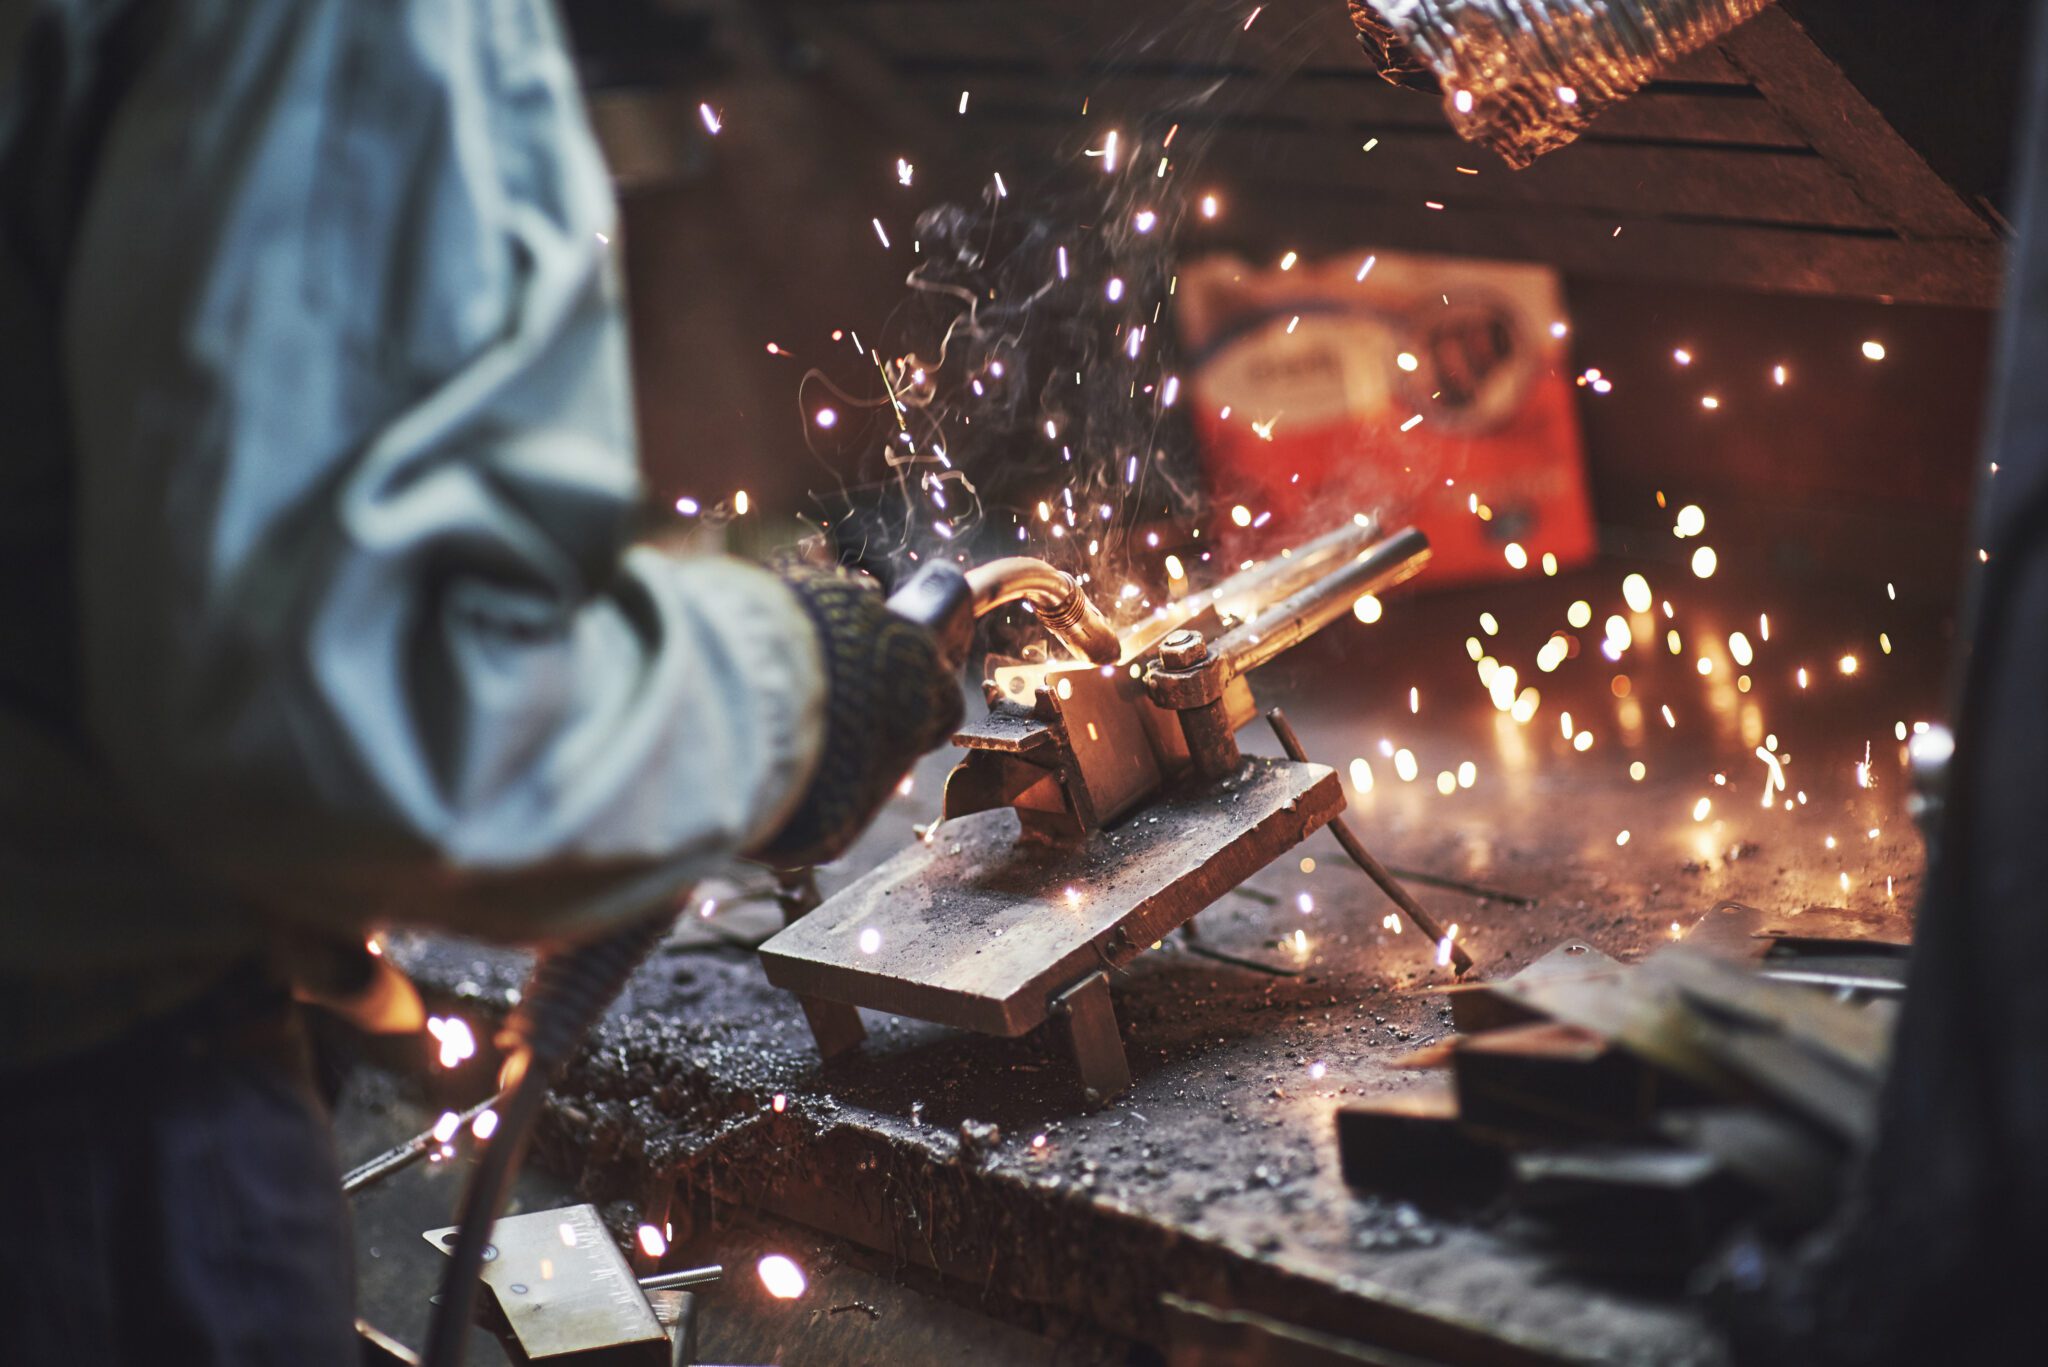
[1182,649]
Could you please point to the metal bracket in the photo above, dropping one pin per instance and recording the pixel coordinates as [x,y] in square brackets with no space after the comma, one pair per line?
[1089,1018]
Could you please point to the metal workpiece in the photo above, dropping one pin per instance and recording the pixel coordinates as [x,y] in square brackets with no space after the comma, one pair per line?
[976,928]
[1282,625]
[1057,599]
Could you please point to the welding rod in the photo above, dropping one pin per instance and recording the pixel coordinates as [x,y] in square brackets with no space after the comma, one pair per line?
[1362,857]
[689,1276]
[410,1152]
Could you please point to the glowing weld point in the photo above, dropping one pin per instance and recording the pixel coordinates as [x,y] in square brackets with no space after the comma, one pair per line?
[782,1278]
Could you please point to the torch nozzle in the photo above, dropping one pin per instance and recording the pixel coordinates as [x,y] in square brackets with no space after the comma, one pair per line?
[1055,596]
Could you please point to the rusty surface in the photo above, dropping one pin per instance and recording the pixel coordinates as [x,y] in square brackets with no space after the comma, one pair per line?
[1216,1175]
[979,928]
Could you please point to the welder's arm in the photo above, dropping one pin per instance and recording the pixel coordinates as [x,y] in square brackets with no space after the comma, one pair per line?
[348,380]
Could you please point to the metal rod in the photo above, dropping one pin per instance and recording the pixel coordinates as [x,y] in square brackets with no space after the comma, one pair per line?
[1305,612]
[410,1152]
[689,1276]
[1374,869]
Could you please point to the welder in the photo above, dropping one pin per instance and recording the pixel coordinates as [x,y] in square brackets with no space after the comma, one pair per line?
[318,613]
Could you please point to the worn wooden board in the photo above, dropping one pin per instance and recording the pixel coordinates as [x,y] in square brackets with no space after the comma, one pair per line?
[974,928]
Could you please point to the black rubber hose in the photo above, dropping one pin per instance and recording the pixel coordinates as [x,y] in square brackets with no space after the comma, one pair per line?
[568,992]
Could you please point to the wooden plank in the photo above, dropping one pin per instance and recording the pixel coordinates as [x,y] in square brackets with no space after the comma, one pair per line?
[1619,180]
[1265,217]
[1814,96]
[1354,103]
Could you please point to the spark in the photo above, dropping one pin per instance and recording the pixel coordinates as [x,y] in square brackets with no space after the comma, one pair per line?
[740,502]
[1621,839]
[1779,375]
[1367,609]
[1873,350]
[652,1242]
[1446,782]
[1174,569]
[712,123]
[1210,206]
[1443,946]
[1317,1069]
[1300,943]
[1704,562]
[779,1103]
[1682,356]
[1847,664]
[1692,520]
[826,417]
[446,1126]
[1407,361]
[1709,402]
[1517,558]
[1701,808]
[1670,720]
[688,507]
[1468,774]
[1170,391]
[1114,289]
[1061,254]
[1241,515]
[870,940]
[1361,776]
[781,1277]
[1635,591]
[963,102]
[485,1125]
[1144,220]
[1404,765]
[1038,1142]
[1412,423]
[1365,267]
[1583,741]
[1802,676]
[1489,624]
[1579,614]
[453,1034]
[904,171]
[1257,10]
[1414,700]
[1636,771]
[881,232]
[1287,261]
[1462,101]
[1567,95]
[1073,896]
[1738,649]
[1884,642]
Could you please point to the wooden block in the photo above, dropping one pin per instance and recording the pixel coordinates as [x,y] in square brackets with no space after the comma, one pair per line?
[1551,1079]
[1415,1139]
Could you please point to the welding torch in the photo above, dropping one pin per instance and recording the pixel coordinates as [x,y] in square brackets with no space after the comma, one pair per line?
[947,600]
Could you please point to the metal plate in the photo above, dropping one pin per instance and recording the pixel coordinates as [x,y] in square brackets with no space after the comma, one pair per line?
[977,929]
[565,1288]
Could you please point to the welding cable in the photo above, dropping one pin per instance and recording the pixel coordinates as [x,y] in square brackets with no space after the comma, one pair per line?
[567,993]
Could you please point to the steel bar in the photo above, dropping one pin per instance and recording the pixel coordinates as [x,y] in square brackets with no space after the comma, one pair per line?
[1374,869]
[1303,613]
[687,1277]
[410,1152]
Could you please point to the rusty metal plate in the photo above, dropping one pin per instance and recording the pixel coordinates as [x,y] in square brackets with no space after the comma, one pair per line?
[976,929]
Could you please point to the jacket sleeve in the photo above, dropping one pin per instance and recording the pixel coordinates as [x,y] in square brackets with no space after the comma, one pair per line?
[347,374]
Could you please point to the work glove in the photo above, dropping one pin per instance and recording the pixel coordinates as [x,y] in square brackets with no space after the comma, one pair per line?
[889,697]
